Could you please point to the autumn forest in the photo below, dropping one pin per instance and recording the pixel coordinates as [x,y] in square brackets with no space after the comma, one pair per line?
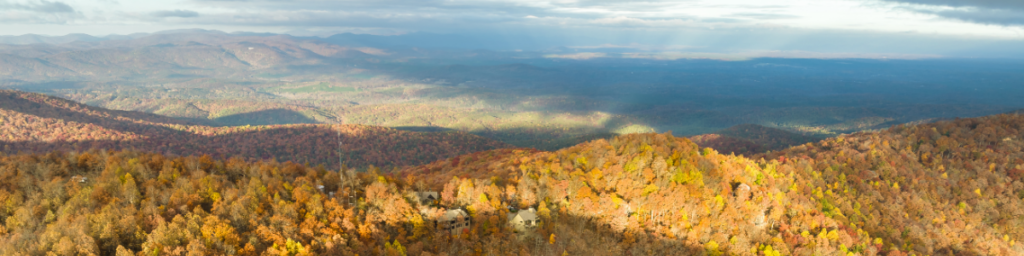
[211,143]
[80,180]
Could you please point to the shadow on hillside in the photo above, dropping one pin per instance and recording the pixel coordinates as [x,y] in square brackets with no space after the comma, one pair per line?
[266,117]
[750,139]
[314,144]
[728,145]
[574,235]
[423,128]
[743,139]
[580,235]
[10,100]
[257,144]
[548,140]
[541,139]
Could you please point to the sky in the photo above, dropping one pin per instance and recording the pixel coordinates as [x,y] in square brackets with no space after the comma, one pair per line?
[962,28]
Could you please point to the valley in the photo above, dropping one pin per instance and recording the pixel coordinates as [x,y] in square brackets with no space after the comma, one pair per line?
[527,99]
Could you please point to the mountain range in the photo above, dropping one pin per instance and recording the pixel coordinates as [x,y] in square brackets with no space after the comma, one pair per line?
[201,142]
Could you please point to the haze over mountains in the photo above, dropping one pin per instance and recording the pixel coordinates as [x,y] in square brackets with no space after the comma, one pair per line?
[201,142]
[35,123]
[545,99]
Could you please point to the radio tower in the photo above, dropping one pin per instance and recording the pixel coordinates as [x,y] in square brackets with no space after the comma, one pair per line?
[341,167]
[341,144]
[341,161]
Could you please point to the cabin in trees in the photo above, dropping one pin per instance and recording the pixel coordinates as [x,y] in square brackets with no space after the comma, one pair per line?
[454,221]
[523,220]
[426,197]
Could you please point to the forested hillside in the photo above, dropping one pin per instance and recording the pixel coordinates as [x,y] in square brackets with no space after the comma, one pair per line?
[947,188]
[950,187]
[32,122]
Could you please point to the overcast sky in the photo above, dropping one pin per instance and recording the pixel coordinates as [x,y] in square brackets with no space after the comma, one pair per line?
[945,27]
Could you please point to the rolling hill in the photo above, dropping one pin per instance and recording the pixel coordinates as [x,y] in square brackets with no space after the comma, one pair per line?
[31,122]
[952,187]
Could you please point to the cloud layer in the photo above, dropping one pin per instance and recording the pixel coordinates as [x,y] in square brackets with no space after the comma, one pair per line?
[1001,12]
[176,13]
[36,12]
[704,24]
[991,4]
[42,6]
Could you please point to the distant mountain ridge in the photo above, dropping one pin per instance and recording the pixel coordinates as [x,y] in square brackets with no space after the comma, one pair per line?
[84,38]
[410,40]
[191,53]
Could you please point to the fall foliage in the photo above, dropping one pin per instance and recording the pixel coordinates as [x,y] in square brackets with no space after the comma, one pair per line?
[952,187]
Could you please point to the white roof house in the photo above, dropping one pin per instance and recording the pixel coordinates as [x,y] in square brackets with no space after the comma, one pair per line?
[523,220]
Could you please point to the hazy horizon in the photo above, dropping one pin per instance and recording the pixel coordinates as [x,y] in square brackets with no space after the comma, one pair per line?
[525,127]
[915,28]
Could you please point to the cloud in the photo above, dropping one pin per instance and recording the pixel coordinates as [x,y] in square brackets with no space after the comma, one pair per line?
[763,16]
[36,12]
[988,4]
[633,47]
[984,16]
[175,13]
[608,25]
[577,56]
[42,6]
[997,12]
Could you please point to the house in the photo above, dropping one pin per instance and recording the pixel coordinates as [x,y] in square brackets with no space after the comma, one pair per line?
[79,179]
[426,197]
[523,220]
[454,221]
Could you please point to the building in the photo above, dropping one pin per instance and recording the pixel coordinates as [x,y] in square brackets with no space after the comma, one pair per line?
[454,221]
[426,197]
[523,220]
